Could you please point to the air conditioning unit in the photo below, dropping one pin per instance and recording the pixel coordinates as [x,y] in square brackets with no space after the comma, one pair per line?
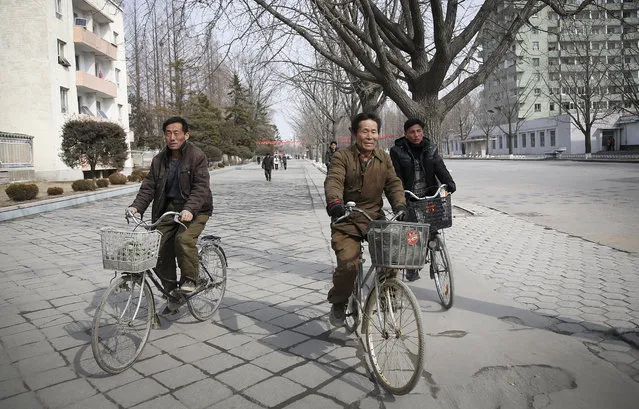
[81,22]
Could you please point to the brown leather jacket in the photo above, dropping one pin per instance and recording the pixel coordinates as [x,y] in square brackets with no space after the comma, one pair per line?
[194,181]
[348,180]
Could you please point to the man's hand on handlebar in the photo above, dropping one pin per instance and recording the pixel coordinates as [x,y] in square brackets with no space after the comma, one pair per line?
[336,210]
[186,216]
[400,213]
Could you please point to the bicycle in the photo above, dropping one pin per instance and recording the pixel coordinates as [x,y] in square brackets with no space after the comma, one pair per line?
[436,210]
[126,312]
[391,319]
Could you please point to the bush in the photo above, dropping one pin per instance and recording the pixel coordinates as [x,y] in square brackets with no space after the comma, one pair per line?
[83,185]
[22,191]
[117,179]
[102,182]
[55,191]
[137,175]
[220,165]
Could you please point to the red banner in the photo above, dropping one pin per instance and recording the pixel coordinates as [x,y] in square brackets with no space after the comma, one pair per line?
[287,142]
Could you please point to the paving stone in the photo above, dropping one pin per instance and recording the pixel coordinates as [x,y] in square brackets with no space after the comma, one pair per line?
[277,361]
[316,401]
[349,388]
[94,402]
[136,392]
[311,374]
[40,363]
[108,382]
[195,352]
[156,364]
[161,402]
[285,339]
[243,376]
[173,342]
[617,357]
[218,363]
[67,393]
[44,379]
[274,391]
[27,400]
[11,387]
[236,402]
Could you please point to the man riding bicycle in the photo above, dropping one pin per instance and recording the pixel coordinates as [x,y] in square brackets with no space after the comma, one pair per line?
[178,181]
[359,174]
[420,167]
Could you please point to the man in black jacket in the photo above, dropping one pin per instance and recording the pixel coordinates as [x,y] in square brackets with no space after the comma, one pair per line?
[420,167]
[178,181]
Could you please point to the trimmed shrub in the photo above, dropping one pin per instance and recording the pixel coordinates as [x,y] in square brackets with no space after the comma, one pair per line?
[83,185]
[137,175]
[55,191]
[102,182]
[117,179]
[22,191]
[220,165]
[133,178]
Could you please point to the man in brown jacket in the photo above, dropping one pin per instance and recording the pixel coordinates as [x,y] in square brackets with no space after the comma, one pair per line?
[177,181]
[359,174]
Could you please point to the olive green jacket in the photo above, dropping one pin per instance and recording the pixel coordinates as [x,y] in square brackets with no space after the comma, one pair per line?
[349,180]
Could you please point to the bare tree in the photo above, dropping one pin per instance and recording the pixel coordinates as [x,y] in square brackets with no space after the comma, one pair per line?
[460,119]
[578,78]
[412,50]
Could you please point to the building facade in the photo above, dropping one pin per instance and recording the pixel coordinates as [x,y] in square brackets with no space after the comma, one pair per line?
[586,65]
[61,58]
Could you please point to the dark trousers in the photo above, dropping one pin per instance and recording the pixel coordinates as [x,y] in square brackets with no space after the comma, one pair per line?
[347,250]
[267,173]
[179,243]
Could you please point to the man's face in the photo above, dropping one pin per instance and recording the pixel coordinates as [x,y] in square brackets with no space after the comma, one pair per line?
[175,136]
[367,136]
[333,146]
[415,134]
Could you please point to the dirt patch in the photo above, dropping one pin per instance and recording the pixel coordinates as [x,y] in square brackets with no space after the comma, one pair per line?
[42,194]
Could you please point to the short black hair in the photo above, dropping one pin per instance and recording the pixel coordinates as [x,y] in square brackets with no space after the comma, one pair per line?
[412,122]
[363,117]
[332,142]
[173,120]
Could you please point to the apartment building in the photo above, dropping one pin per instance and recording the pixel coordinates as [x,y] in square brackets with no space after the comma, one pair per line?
[60,58]
[558,64]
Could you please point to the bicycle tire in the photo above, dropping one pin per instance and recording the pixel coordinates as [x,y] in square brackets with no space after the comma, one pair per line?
[442,272]
[397,355]
[352,314]
[212,277]
[116,340]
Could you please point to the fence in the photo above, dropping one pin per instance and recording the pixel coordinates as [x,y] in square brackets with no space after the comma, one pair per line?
[16,157]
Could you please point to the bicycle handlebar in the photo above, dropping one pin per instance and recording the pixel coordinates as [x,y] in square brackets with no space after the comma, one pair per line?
[139,222]
[351,207]
[414,196]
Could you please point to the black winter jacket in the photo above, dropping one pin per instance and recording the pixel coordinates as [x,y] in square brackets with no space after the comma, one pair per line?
[432,164]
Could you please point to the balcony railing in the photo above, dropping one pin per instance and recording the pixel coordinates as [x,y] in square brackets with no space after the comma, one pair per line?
[86,40]
[91,83]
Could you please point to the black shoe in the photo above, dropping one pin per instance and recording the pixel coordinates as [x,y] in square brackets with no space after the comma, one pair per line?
[337,315]
[166,312]
[412,275]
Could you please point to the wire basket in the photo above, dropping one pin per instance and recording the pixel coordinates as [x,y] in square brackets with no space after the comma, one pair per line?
[397,244]
[128,250]
[437,212]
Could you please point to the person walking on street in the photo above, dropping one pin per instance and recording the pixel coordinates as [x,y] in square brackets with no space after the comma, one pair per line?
[267,165]
[360,174]
[276,161]
[332,148]
[178,181]
[284,161]
[420,167]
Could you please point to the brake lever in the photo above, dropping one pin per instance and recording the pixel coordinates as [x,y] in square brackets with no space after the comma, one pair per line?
[176,219]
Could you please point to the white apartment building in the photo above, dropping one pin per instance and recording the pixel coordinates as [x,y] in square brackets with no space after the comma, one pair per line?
[60,58]
[545,70]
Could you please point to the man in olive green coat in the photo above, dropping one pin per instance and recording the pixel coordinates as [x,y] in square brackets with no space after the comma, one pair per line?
[360,174]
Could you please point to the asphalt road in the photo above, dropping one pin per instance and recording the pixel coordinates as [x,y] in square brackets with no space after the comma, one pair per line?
[593,200]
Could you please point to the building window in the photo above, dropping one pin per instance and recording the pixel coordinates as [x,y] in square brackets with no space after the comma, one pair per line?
[115,38]
[515,141]
[552,138]
[501,143]
[532,139]
[535,45]
[523,140]
[58,8]
[119,113]
[117,77]
[537,107]
[552,106]
[61,59]
[542,138]
[535,62]
[64,100]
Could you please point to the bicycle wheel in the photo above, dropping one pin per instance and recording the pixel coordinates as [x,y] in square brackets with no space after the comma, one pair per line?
[394,336]
[442,272]
[122,323]
[352,314]
[211,283]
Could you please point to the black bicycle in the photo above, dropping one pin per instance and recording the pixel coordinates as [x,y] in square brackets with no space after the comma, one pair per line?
[127,312]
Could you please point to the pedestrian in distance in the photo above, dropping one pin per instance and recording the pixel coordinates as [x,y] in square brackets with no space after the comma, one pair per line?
[178,181]
[284,161]
[267,165]
[360,174]
[276,161]
[328,157]
[420,167]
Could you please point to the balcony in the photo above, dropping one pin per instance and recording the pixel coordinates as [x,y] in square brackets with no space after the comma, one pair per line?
[88,41]
[92,84]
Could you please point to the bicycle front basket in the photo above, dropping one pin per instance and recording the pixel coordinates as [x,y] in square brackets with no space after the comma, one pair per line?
[437,212]
[129,251]
[397,244]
